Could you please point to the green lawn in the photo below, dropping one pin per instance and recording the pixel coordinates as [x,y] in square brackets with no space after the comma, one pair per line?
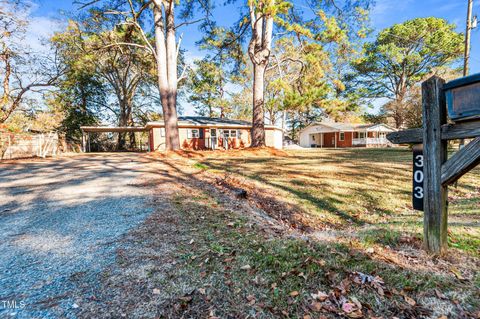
[367,190]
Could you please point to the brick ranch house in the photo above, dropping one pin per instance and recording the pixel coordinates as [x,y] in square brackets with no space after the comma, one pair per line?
[202,133]
[197,133]
[331,134]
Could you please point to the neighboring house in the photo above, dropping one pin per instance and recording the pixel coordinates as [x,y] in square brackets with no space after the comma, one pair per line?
[331,134]
[195,132]
[200,133]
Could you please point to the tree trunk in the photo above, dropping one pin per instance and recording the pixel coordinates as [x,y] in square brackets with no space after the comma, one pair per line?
[167,71]
[6,82]
[258,122]
[122,121]
[259,53]
[132,139]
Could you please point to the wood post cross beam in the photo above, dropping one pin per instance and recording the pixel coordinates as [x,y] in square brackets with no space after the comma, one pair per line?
[448,132]
[461,162]
[436,170]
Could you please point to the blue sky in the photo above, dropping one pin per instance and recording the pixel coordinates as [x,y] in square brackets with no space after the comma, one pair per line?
[48,17]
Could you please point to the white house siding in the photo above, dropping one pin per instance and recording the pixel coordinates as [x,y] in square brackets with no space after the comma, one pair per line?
[278,139]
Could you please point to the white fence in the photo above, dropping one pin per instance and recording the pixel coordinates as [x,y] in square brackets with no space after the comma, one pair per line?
[371,141]
[28,145]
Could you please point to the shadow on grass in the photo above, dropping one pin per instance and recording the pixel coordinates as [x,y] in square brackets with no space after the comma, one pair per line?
[286,265]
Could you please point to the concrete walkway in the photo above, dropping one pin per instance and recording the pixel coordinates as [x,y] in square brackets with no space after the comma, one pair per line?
[60,225]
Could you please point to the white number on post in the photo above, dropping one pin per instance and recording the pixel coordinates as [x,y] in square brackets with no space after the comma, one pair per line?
[418,177]
[418,193]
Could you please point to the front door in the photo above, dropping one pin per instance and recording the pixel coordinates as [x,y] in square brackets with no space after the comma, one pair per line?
[213,138]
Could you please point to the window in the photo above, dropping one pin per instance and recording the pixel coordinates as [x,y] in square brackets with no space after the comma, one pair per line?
[231,133]
[362,134]
[313,137]
[162,132]
[342,136]
[193,133]
[383,135]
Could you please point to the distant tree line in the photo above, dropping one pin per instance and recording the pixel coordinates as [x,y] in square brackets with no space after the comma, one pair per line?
[278,63]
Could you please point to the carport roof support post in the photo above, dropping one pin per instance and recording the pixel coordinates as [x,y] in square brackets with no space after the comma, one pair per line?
[435,154]
[83,141]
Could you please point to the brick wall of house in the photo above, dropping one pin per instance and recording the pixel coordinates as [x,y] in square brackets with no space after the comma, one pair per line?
[186,142]
[347,142]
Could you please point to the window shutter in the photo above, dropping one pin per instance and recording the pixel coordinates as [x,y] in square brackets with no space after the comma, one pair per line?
[200,134]
[189,133]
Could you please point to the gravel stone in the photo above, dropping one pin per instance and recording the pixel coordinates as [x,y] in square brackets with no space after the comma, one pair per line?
[61,222]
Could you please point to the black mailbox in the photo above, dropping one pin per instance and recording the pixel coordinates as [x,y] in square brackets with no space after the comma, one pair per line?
[463,98]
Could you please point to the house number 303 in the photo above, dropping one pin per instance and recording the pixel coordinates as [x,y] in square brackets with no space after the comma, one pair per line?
[418,177]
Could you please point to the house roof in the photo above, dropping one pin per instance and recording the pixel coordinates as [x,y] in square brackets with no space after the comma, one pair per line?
[193,121]
[338,126]
[349,127]
[373,126]
[183,121]
[204,120]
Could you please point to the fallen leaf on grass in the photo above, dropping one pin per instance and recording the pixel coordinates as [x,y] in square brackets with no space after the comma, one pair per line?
[320,295]
[186,298]
[439,294]
[376,282]
[202,291]
[294,293]
[351,310]
[348,307]
[457,273]
[251,299]
[302,275]
[246,267]
[355,314]
[156,291]
[409,300]
[356,302]
[316,306]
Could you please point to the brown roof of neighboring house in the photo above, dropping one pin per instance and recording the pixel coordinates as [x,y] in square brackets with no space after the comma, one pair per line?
[349,127]
[195,121]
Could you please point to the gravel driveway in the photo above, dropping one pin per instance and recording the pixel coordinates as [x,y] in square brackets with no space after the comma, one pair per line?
[61,222]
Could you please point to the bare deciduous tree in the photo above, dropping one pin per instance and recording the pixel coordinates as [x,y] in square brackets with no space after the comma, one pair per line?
[22,70]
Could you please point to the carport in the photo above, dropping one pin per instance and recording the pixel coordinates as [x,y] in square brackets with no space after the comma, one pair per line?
[87,130]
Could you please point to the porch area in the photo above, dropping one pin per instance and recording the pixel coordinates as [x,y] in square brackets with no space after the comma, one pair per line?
[370,139]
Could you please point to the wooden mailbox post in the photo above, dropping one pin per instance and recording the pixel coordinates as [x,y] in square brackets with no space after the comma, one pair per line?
[439,171]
